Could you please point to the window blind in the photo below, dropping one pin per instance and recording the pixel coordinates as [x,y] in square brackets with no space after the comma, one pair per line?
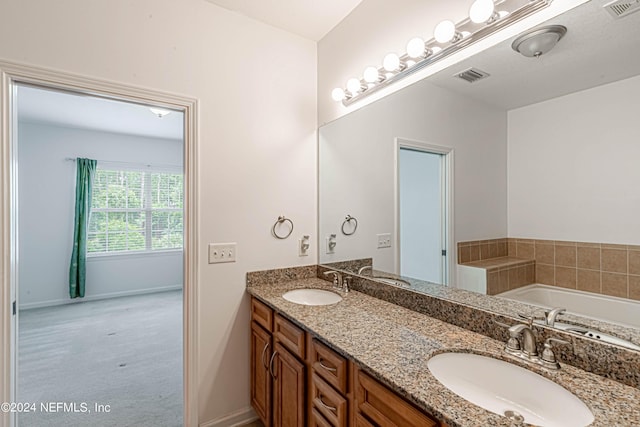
[135,211]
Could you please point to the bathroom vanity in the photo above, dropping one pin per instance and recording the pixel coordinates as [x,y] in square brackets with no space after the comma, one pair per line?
[364,361]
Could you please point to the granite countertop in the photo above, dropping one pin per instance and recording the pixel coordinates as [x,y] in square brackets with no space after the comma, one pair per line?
[394,344]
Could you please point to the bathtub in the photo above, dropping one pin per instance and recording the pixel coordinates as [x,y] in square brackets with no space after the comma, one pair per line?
[620,311]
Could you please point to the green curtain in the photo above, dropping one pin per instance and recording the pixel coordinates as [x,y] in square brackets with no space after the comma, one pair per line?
[85,171]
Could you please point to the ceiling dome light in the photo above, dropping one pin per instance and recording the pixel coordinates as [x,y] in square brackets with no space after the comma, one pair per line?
[539,41]
[481,11]
[160,112]
[353,85]
[416,47]
[338,94]
[391,62]
[444,32]
[371,75]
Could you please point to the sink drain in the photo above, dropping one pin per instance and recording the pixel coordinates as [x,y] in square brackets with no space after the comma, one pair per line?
[514,416]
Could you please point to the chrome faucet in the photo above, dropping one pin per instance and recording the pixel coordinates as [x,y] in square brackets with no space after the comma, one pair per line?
[550,316]
[337,278]
[365,267]
[529,346]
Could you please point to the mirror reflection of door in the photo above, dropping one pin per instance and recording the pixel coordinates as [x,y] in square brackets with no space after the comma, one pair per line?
[422,214]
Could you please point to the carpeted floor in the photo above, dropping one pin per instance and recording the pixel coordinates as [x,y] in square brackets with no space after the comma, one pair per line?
[122,353]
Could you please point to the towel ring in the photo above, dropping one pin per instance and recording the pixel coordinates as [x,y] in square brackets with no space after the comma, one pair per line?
[280,220]
[348,220]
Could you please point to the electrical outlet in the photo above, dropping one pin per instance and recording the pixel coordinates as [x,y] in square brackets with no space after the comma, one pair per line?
[222,252]
[384,240]
[331,244]
[303,246]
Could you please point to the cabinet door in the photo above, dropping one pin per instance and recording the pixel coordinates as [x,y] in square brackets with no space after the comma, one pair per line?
[260,376]
[288,389]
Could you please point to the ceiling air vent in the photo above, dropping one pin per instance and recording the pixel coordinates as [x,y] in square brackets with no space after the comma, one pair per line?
[472,75]
[621,8]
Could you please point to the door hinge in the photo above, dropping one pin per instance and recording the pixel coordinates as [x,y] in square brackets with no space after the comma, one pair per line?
[444,252]
[14,308]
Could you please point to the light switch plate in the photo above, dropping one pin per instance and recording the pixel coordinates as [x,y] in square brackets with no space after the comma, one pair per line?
[384,240]
[222,252]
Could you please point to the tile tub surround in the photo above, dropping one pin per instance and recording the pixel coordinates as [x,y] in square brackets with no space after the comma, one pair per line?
[394,344]
[600,268]
[506,273]
[478,250]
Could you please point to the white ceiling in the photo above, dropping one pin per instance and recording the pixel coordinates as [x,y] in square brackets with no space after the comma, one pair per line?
[596,50]
[88,112]
[311,19]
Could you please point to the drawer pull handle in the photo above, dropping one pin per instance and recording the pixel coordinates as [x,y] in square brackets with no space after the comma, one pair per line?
[271,371]
[264,351]
[328,368]
[331,408]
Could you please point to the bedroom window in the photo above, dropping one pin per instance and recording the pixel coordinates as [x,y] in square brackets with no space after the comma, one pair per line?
[135,211]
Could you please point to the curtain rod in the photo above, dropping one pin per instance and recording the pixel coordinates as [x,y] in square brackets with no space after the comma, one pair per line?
[73,159]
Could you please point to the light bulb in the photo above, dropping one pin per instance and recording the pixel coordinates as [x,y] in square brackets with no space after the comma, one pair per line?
[435,50]
[415,47]
[353,85]
[371,75]
[391,62]
[337,94]
[481,11]
[444,31]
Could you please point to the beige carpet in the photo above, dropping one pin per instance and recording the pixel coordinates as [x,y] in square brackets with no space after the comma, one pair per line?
[123,353]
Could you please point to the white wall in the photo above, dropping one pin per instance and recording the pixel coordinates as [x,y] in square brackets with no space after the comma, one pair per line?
[46,214]
[573,166]
[357,170]
[257,119]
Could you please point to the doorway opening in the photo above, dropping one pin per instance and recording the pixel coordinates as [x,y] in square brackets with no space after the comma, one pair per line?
[424,211]
[118,347]
[128,229]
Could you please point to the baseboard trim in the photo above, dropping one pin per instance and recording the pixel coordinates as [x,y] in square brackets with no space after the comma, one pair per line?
[52,303]
[235,419]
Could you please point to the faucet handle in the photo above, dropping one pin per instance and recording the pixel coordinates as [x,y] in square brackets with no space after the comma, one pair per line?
[346,281]
[548,356]
[512,344]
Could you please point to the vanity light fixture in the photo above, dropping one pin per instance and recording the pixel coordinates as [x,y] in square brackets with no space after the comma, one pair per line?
[486,17]
[160,112]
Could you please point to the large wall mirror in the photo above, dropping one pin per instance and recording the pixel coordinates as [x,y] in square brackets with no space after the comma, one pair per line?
[541,148]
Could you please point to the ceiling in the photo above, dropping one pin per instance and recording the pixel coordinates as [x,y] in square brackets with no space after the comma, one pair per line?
[311,19]
[596,50]
[52,107]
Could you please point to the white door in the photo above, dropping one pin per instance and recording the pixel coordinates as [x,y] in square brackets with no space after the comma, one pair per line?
[422,213]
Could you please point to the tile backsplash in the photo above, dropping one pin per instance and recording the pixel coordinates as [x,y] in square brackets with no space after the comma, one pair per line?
[602,268]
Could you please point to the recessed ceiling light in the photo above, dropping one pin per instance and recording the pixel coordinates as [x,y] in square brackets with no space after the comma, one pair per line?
[160,112]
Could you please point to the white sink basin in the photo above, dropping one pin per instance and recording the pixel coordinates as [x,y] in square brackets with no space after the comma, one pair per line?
[312,297]
[509,390]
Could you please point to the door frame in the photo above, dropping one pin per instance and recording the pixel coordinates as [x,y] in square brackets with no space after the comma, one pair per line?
[448,236]
[12,74]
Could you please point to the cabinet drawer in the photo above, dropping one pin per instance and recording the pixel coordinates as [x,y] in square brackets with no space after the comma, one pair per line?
[318,420]
[329,365]
[262,314]
[384,407]
[362,421]
[289,335]
[328,402]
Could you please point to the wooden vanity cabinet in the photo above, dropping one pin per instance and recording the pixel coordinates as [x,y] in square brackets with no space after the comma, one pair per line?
[278,371]
[298,381]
